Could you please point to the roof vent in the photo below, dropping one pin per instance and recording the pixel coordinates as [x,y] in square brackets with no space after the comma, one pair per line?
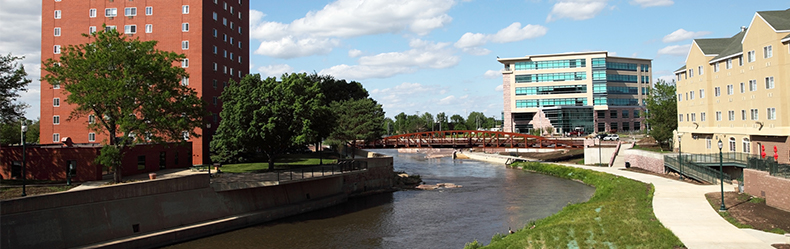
[743,28]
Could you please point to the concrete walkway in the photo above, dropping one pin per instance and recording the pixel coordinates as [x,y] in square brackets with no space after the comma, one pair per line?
[161,174]
[682,208]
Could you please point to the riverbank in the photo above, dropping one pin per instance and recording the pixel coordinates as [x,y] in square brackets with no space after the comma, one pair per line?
[619,215]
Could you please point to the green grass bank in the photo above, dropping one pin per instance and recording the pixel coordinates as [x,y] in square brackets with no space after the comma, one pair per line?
[619,215]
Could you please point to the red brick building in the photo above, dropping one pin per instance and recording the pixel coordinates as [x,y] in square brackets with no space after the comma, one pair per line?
[211,33]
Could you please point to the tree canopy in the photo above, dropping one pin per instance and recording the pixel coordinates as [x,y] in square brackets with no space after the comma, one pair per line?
[662,112]
[359,119]
[133,89]
[13,79]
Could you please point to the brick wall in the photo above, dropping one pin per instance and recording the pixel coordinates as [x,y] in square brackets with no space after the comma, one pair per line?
[650,161]
[775,190]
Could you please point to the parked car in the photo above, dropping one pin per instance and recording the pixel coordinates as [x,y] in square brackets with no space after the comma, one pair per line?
[612,137]
[601,135]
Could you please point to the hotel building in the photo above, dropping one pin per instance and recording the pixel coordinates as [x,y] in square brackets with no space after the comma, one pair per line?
[737,89]
[593,90]
[211,33]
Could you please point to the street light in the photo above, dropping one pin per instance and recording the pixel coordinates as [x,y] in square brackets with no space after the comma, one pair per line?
[680,159]
[208,130]
[721,177]
[24,153]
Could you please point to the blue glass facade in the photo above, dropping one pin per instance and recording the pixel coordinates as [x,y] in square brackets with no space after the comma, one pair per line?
[527,103]
[544,90]
[538,65]
[551,77]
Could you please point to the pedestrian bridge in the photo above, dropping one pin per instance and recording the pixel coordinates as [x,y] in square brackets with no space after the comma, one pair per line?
[472,139]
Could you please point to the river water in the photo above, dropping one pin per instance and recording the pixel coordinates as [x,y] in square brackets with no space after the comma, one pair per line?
[492,199]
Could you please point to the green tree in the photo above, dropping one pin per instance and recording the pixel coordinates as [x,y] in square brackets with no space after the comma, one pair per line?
[430,124]
[10,132]
[401,123]
[458,122]
[13,79]
[662,112]
[267,115]
[476,120]
[388,125]
[134,88]
[357,120]
[442,119]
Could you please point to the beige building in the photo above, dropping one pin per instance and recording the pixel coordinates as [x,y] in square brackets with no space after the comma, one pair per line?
[737,89]
[589,90]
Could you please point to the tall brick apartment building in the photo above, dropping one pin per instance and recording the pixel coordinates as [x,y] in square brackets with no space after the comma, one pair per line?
[211,33]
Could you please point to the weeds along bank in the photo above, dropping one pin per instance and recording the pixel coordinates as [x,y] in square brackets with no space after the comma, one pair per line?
[619,215]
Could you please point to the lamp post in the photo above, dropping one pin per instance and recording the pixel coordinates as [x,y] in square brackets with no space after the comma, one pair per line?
[680,155]
[721,177]
[24,159]
[208,129]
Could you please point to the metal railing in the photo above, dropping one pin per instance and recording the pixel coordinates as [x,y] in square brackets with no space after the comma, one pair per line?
[769,165]
[693,170]
[343,166]
[737,159]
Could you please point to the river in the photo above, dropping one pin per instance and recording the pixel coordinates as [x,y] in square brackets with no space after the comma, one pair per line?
[492,199]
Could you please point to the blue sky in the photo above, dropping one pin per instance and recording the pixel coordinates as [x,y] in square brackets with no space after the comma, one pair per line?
[440,55]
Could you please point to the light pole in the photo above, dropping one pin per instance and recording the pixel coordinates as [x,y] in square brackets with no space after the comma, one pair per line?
[24,159]
[599,153]
[208,129]
[721,177]
[680,159]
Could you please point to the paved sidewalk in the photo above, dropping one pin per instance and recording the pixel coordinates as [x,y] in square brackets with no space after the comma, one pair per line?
[161,174]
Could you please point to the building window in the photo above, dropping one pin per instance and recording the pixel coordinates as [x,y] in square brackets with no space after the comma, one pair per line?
[747,147]
[215,16]
[56,119]
[680,117]
[231,56]
[740,61]
[225,5]
[214,100]
[91,137]
[149,10]
[131,11]
[184,45]
[91,119]
[185,63]
[731,115]
[57,14]
[91,29]
[752,85]
[728,64]
[109,28]
[129,29]
[214,84]
[730,90]
[691,95]
[56,85]
[743,114]
[750,56]
[55,137]
[149,28]
[693,117]
[701,93]
[92,13]
[718,116]
[57,31]
[680,97]
[239,44]
[110,12]
[231,40]
[185,9]
[225,69]
[225,21]
[700,70]
[215,33]
[215,49]
[717,91]
[184,81]
[768,52]
[771,113]
[743,88]
[225,53]
[691,73]
[702,116]
[56,49]
[732,144]
[185,27]
[716,67]
[769,82]
[755,115]
[707,143]
[56,102]
[185,135]
[215,66]
[224,37]
[231,25]
[239,58]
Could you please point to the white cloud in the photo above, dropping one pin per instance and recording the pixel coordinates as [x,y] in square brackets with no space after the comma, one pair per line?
[290,47]
[666,78]
[492,74]
[447,100]
[652,3]
[354,53]
[682,34]
[576,9]
[499,88]
[424,54]
[470,42]
[23,19]
[677,50]
[275,70]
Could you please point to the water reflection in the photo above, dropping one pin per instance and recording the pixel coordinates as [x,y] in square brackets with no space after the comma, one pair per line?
[491,200]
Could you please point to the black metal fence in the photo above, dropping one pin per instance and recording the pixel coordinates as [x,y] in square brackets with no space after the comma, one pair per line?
[342,166]
[744,160]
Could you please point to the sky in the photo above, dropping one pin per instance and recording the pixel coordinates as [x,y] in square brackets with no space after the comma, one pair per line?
[416,56]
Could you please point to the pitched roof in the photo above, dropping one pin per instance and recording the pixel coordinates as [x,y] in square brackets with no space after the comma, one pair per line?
[735,47]
[786,38]
[681,69]
[778,19]
[712,46]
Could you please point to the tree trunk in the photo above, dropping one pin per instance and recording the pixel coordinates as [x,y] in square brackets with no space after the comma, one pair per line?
[271,162]
[353,149]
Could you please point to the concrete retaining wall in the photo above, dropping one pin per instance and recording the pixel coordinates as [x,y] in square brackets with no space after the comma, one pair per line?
[650,161]
[591,154]
[378,177]
[763,185]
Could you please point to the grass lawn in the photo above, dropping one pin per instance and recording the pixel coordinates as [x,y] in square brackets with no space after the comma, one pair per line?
[281,163]
[653,149]
[619,215]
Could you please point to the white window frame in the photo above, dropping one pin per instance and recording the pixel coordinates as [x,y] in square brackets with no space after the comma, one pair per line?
[56,49]
[57,14]
[750,56]
[130,11]
[768,52]
[752,85]
[56,102]
[184,81]
[91,29]
[743,87]
[691,95]
[731,115]
[732,144]
[691,73]
[184,9]
[184,45]
[702,93]
[754,114]
[693,117]
[91,119]
[718,116]
[185,27]
[149,28]
[728,63]
[680,117]
[769,82]
[57,31]
[130,29]
[747,145]
[730,90]
[770,113]
[55,137]
[743,114]
[92,137]
[149,10]
[110,12]
[56,119]
[702,116]
[185,63]
[108,28]
[740,61]
[92,13]
[717,91]
[701,71]
[716,67]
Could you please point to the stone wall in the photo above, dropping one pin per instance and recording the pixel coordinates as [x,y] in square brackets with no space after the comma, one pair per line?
[378,177]
[775,190]
[650,161]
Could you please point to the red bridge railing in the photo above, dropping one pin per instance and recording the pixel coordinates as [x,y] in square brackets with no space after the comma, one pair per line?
[470,139]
